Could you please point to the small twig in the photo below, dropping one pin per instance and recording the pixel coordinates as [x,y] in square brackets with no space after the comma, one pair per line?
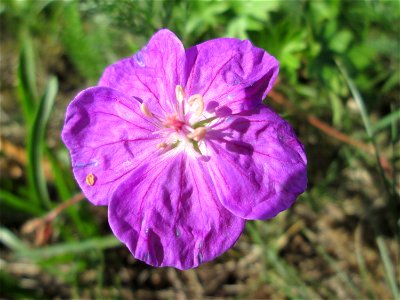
[42,226]
[329,130]
[59,209]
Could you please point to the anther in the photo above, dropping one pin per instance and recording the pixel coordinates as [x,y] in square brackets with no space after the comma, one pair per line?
[180,93]
[198,103]
[90,179]
[161,145]
[198,134]
[145,110]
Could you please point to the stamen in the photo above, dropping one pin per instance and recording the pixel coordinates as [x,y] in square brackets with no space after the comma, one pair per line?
[180,93]
[161,145]
[145,110]
[198,134]
[197,101]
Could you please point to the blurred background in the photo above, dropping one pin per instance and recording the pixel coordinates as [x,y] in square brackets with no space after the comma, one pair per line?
[339,87]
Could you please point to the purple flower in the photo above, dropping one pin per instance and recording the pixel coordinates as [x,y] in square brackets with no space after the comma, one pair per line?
[180,147]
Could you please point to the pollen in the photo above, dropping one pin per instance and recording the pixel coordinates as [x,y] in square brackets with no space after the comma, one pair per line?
[90,179]
[197,103]
[145,110]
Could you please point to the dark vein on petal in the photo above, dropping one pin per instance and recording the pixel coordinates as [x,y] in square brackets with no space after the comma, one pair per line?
[216,74]
[212,196]
[180,191]
[150,185]
[133,168]
[119,117]
[234,164]
[123,141]
[189,92]
[197,189]
[151,92]
[275,158]
[221,174]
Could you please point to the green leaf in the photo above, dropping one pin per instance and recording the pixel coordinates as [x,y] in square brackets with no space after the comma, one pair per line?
[337,109]
[257,9]
[361,56]
[340,41]
[237,28]
[84,52]
[36,143]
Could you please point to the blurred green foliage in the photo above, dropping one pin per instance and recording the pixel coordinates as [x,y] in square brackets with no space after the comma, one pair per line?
[340,61]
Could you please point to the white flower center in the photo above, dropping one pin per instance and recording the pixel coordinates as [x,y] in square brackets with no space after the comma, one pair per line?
[185,129]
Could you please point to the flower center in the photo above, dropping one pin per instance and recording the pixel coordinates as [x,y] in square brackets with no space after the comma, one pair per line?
[186,126]
[173,122]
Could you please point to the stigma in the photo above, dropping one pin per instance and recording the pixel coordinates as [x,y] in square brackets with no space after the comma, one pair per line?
[174,123]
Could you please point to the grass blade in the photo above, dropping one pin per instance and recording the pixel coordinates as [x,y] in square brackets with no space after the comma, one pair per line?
[99,243]
[367,124]
[10,240]
[9,199]
[394,139]
[365,276]
[36,143]
[60,177]
[27,80]
[287,272]
[386,121]
[340,272]
[388,266]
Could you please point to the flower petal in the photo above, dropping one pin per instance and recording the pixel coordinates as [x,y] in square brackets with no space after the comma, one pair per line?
[232,75]
[107,137]
[168,214]
[257,164]
[152,73]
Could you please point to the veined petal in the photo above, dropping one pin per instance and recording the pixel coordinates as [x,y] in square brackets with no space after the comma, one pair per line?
[168,214]
[152,73]
[108,137]
[232,75]
[257,164]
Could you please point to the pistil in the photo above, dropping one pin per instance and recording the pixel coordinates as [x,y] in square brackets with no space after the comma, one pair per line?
[174,122]
[186,127]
